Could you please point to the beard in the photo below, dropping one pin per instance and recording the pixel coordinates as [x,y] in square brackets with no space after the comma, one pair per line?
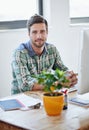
[39,43]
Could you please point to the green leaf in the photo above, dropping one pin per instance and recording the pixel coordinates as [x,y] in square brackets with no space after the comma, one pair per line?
[48,79]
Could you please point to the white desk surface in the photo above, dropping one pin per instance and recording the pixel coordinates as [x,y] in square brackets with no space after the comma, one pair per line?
[39,120]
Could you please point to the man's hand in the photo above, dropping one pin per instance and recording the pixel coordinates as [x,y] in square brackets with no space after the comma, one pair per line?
[37,87]
[72,77]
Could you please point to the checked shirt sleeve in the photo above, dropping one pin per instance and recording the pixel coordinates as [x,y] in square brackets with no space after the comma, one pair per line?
[22,77]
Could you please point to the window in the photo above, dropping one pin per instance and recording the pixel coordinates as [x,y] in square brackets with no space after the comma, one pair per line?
[14,13]
[17,9]
[79,11]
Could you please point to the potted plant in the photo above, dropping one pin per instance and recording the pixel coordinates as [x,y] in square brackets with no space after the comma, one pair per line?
[53,81]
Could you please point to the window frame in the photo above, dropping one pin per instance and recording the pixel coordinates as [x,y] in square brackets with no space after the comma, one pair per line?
[79,20]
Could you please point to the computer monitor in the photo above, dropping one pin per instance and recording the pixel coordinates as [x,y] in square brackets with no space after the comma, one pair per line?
[83,85]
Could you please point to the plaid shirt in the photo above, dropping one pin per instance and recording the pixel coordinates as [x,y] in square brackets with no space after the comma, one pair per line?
[26,63]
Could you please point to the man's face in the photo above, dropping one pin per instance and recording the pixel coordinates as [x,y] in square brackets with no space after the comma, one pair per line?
[38,34]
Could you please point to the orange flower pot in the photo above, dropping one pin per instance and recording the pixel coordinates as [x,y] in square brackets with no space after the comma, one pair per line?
[53,104]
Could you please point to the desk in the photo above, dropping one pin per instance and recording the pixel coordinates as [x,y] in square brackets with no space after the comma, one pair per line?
[38,120]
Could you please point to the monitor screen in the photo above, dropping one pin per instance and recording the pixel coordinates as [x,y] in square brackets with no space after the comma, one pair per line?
[83,85]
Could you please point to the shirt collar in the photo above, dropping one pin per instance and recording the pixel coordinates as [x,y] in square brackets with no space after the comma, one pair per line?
[31,51]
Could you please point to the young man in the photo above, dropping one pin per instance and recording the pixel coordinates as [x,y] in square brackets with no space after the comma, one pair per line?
[34,56]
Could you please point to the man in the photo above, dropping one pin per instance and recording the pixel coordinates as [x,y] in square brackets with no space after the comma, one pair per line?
[34,56]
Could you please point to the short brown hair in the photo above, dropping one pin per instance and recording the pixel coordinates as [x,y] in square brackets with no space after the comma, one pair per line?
[36,19]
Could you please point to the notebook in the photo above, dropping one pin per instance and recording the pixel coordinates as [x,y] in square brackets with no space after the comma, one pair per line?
[79,101]
[82,100]
[10,104]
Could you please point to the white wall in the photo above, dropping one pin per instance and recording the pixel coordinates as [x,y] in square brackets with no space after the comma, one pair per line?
[61,33]
[65,36]
[9,40]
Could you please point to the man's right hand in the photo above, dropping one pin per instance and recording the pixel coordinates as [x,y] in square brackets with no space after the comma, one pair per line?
[37,87]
